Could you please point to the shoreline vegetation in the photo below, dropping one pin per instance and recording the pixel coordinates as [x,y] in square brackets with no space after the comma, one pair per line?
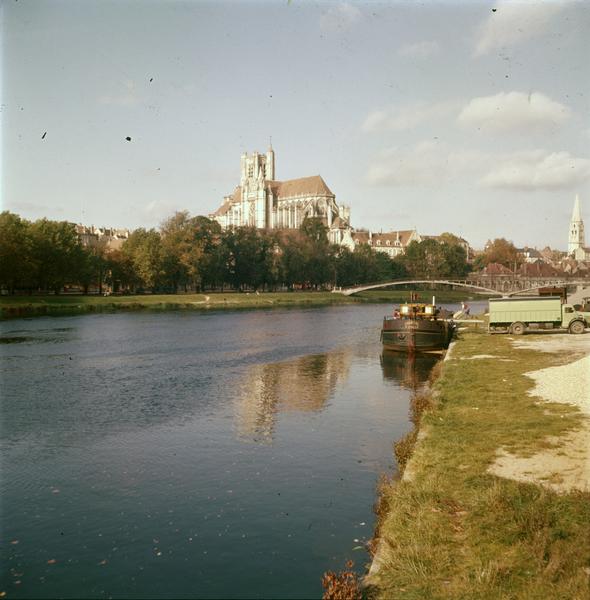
[449,528]
[55,305]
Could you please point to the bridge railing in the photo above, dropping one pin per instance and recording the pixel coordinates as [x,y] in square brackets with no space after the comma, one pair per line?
[502,285]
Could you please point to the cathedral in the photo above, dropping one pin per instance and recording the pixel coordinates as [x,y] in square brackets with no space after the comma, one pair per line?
[264,202]
[576,247]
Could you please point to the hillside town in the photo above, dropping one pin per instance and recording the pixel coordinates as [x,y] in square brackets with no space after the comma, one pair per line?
[264,203]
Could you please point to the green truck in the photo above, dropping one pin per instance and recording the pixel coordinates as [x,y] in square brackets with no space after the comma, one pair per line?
[533,313]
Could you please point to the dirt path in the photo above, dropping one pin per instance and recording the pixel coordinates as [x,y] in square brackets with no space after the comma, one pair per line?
[566,467]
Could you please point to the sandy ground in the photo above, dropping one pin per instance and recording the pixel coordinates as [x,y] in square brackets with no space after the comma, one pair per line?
[566,467]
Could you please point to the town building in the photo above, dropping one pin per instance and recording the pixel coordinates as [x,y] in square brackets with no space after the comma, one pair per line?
[446,238]
[395,243]
[392,243]
[262,201]
[529,255]
[109,237]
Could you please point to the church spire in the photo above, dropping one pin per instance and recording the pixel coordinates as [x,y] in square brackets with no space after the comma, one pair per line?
[576,215]
[576,235]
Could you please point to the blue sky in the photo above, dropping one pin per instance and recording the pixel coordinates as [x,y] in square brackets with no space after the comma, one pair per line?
[471,117]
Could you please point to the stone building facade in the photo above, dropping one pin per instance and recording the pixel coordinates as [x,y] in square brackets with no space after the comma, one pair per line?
[262,201]
[110,237]
[392,243]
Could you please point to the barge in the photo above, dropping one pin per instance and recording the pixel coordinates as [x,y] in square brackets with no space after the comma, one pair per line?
[417,327]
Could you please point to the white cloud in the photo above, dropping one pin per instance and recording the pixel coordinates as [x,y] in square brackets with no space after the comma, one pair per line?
[510,23]
[123,97]
[420,49]
[339,18]
[432,163]
[425,164]
[540,171]
[513,110]
[406,117]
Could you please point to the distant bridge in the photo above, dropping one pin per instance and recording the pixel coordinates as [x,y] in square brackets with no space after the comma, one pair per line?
[363,288]
[497,286]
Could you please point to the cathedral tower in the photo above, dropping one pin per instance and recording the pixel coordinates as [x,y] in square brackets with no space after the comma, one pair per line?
[576,235]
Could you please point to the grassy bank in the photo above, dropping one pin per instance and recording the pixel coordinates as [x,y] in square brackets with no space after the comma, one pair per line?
[28,306]
[24,306]
[451,530]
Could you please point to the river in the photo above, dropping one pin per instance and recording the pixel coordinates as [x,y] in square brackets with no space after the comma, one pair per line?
[183,454]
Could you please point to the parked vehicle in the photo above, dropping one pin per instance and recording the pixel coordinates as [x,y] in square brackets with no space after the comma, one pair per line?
[521,314]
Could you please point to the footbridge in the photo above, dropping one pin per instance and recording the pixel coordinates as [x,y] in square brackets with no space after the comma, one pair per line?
[501,286]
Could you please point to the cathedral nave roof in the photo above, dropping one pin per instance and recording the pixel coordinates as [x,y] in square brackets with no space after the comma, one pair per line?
[304,186]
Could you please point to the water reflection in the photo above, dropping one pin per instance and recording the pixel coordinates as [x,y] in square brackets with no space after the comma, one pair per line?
[411,371]
[303,384]
[123,435]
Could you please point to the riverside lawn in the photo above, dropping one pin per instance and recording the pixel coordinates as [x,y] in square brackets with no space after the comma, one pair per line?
[451,529]
[26,306]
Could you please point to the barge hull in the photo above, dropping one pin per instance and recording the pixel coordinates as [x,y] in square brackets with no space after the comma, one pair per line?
[416,336]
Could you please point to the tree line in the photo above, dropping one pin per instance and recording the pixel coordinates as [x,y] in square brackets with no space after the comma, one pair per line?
[195,254]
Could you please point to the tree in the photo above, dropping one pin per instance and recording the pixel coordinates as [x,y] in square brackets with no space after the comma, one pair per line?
[503,252]
[94,267]
[16,266]
[189,248]
[175,249]
[318,253]
[292,258]
[213,256]
[144,250]
[430,259]
[248,257]
[424,259]
[450,238]
[119,272]
[57,254]
[366,265]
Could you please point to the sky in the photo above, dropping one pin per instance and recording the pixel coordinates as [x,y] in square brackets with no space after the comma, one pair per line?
[470,117]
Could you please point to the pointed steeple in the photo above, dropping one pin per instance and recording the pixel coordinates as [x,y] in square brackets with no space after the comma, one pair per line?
[576,215]
[576,238]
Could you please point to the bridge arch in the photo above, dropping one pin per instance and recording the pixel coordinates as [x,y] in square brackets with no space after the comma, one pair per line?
[363,288]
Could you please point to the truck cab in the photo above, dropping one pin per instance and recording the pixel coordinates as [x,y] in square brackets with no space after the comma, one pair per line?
[571,316]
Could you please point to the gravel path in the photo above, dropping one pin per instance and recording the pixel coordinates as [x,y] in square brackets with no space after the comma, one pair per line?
[567,467]
[569,384]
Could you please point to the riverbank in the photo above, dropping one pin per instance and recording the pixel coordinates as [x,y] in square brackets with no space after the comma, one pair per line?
[495,500]
[27,306]
[30,306]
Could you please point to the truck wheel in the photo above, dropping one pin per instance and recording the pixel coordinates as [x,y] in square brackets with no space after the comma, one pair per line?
[576,327]
[517,328]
